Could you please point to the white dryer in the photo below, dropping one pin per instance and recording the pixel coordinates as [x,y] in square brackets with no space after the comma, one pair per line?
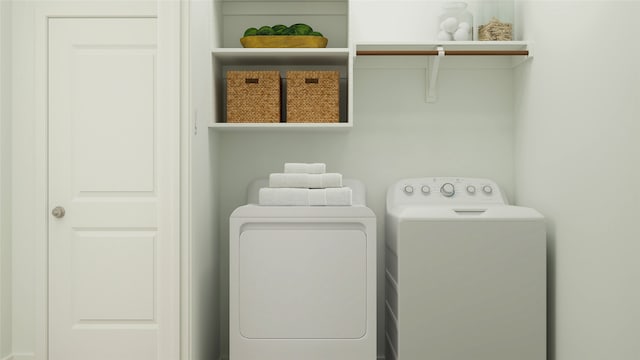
[465,273]
[303,281]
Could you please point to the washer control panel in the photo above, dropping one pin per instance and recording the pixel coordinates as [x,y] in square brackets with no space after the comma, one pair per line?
[444,190]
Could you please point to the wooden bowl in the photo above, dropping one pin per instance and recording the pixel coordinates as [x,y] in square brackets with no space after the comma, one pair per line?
[284,41]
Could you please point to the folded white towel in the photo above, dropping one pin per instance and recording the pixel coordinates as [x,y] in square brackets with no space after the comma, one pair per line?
[283,196]
[303,168]
[305,197]
[306,181]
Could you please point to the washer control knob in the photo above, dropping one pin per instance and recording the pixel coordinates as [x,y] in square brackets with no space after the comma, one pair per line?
[408,189]
[447,189]
[471,189]
[425,189]
[487,189]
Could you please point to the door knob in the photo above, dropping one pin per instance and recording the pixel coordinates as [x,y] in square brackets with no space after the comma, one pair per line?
[58,212]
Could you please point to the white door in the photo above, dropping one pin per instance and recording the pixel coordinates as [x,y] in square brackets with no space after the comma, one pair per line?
[113,292]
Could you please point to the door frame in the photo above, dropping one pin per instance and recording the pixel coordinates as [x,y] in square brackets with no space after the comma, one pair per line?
[168,14]
[5,191]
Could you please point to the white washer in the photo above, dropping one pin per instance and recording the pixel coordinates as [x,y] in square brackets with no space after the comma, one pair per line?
[465,273]
[303,281]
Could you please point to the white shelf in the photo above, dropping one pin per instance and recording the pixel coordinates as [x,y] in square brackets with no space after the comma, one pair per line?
[283,59]
[485,54]
[269,56]
[458,54]
[472,46]
[232,18]
[280,126]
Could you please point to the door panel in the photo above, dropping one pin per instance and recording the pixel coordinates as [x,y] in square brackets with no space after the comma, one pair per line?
[105,254]
[103,291]
[120,108]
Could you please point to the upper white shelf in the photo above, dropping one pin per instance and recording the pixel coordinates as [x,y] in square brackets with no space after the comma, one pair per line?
[284,56]
[458,48]
[280,126]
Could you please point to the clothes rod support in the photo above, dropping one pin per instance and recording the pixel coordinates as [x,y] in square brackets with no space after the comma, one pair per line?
[432,79]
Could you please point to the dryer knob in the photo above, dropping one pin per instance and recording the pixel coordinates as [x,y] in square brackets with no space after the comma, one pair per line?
[447,189]
[408,189]
[471,189]
[425,189]
[487,189]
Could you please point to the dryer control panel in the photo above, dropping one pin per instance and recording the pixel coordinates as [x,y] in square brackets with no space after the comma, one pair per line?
[445,191]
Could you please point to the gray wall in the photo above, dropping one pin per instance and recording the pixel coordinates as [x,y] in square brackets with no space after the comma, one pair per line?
[202,220]
[23,175]
[577,155]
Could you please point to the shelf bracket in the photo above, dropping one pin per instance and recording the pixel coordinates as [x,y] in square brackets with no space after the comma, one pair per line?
[517,60]
[432,76]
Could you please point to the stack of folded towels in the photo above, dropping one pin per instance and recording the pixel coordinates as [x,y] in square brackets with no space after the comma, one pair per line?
[305,185]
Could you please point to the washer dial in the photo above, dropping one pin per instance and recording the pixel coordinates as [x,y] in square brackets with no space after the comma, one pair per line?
[447,189]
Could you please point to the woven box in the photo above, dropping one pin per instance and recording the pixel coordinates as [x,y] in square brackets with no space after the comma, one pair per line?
[313,96]
[253,96]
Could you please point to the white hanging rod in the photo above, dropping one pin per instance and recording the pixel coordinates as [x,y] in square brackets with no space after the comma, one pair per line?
[446,52]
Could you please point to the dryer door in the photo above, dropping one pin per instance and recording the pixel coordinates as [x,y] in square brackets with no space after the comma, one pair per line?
[302,281]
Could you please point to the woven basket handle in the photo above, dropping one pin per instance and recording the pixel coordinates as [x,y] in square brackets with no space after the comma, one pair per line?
[311,80]
[251,81]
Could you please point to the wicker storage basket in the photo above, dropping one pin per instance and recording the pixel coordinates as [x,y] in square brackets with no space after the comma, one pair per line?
[313,96]
[495,30]
[253,96]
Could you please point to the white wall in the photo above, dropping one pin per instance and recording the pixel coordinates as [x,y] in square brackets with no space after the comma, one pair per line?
[577,156]
[23,177]
[203,219]
[408,21]
[5,183]
[468,132]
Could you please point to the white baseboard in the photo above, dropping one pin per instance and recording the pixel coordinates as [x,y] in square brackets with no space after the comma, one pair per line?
[32,357]
[380,357]
[20,357]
